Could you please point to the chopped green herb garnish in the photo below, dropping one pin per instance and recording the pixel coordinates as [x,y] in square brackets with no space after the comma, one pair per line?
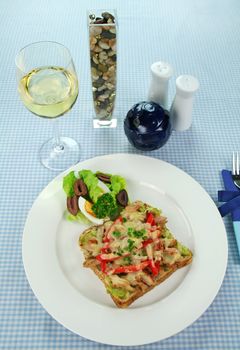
[127,259]
[139,233]
[130,231]
[116,234]
[130,245]
[124,220]
[134,233]
[105,206]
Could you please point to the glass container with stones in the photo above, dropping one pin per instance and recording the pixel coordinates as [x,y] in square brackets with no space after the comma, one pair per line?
[103,62]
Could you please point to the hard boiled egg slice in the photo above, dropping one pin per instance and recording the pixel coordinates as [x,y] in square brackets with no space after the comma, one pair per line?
[86,207]
[103,186]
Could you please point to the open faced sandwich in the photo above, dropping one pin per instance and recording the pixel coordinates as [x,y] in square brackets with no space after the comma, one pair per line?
[133,253]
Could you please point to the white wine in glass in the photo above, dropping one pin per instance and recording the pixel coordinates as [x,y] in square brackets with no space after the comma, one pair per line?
[48,87]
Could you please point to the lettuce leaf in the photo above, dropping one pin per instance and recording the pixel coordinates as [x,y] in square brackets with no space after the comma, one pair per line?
[184,251]
[68,182]
[91,181]
[84,238]
[118,292]
[167,234]
[80,217]
[145,209]
[118,183]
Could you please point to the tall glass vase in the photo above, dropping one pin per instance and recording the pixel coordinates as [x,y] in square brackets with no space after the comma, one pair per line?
[102,25]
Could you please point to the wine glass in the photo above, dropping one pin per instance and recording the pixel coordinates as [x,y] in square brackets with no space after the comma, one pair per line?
[48,87]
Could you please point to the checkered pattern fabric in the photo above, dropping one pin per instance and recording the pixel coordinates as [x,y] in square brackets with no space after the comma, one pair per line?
[201,38]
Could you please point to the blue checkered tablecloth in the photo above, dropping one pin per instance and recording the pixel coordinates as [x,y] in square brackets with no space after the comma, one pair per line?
[201,38]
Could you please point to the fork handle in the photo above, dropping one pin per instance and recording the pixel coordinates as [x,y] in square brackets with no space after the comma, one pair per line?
[236,227]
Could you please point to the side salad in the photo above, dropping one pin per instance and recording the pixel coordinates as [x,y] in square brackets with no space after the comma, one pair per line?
[94,197]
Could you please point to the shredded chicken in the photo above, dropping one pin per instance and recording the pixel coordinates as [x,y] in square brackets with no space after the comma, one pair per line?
[133,248]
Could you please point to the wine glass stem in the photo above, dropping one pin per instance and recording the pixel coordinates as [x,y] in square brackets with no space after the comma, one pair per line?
[58,147]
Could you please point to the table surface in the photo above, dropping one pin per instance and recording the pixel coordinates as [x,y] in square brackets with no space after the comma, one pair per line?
[199,38]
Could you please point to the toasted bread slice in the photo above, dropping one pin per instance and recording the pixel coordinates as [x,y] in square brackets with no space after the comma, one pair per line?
[142,288]
[131,262]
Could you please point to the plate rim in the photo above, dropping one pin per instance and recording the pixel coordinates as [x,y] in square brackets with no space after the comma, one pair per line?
[128,342]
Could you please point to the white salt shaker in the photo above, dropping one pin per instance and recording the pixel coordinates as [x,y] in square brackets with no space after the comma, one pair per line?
[181,109]
[158,91]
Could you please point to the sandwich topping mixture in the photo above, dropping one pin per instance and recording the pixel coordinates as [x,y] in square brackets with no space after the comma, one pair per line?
[133,250]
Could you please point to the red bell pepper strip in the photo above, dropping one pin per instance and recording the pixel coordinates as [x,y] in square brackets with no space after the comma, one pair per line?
[130,268]
[106,239]
[150,219]
[148,241]
[105,249]
[119,219]
[103,265]
[105,257]
[93,241]
[155,267]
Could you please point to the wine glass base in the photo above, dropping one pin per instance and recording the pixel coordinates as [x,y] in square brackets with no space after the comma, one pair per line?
[98,123]
[59,157]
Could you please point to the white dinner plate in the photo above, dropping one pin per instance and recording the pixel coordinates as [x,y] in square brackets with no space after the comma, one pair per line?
[75,297]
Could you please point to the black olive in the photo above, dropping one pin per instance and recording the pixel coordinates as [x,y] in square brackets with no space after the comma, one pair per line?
[104,177]
[72,205]
[80,188]
[122,198]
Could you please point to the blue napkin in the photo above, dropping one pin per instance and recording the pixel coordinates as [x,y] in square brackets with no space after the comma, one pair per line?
[225,196]
[231,195]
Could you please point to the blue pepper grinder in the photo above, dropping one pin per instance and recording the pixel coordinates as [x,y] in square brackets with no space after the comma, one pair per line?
[147,126]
